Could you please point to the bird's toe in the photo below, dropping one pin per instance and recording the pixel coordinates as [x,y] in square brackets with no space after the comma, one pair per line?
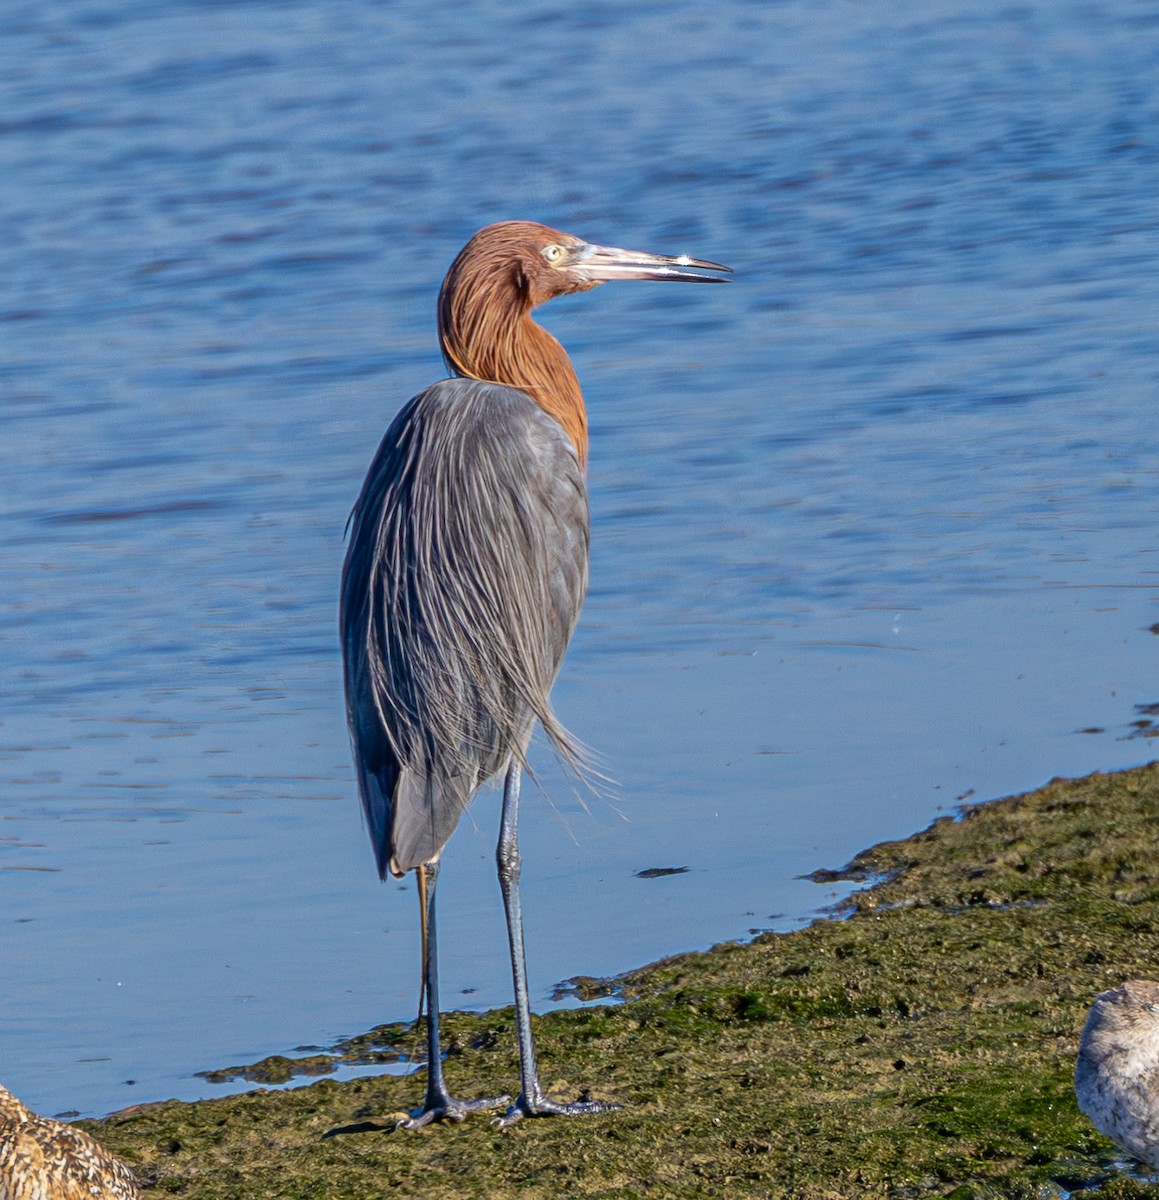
[541,1106]
[451,1109]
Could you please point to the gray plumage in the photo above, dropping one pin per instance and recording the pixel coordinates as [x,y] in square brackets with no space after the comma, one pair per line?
[464,579]
[1117,1074]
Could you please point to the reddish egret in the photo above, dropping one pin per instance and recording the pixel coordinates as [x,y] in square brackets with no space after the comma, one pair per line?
[1116,1078]
[40,1158]
[464,578]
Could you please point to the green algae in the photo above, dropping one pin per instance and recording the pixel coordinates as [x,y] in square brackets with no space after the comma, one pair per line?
[920,1045]
[384,1045]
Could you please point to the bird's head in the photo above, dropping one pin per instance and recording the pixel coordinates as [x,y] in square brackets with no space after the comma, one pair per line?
[524,264]
[502,273]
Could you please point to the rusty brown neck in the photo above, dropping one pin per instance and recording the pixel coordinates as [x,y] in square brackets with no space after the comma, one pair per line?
[486,332]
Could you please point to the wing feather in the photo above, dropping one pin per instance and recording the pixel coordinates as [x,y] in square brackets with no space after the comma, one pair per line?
[464,578]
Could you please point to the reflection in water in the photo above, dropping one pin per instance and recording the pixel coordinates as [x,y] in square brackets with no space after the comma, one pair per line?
[872,527]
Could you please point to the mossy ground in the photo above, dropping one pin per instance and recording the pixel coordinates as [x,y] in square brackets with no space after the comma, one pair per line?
[923,1046]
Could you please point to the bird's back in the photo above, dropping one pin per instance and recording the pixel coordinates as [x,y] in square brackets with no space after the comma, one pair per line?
[1117,1071]
[463,581]
[43,1159]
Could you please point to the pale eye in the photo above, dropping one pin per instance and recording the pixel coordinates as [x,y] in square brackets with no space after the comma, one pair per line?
[554,253]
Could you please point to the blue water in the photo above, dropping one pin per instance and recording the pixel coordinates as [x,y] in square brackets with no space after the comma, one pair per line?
[874,526]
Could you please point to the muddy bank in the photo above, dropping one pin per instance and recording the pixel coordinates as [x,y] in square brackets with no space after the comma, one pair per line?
[922,1046]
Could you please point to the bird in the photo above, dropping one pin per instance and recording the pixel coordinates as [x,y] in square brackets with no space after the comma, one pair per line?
[465,572]
[43,1159]
[1116,1077]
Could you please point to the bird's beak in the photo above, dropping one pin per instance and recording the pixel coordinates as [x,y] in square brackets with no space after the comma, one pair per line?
[598,264]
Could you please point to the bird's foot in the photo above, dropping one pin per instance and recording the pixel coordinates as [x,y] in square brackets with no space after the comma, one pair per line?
[541,1106]
[447,1108]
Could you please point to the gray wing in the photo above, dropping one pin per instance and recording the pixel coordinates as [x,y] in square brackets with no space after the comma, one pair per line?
[464,578]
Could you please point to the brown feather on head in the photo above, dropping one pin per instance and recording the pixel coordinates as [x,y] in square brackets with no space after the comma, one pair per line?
[502,273]
[485,326]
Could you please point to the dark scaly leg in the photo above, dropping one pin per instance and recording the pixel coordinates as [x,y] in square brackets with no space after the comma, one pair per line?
[532,1102]
[439,1104]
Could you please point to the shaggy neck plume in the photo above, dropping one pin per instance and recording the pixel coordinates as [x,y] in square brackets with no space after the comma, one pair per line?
[486,332]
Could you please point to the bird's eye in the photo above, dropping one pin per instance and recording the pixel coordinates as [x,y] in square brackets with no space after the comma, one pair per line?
[554,253]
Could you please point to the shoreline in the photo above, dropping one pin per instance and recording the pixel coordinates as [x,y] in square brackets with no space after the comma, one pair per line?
[921,1046]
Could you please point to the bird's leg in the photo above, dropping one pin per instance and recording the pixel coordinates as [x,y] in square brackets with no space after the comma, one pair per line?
[532,1101]
[439,1104]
